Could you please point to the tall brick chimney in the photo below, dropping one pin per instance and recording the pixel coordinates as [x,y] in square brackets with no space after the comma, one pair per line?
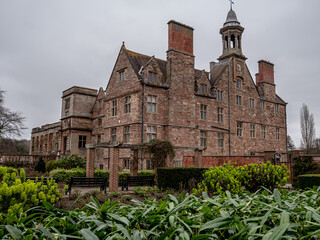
[180,37]
[266,72]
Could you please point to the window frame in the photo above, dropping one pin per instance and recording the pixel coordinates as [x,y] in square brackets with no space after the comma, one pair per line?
[121,75]
[276,108]
[113,135]
[82,141]
[126,134]
[151,132]
[220,139]
[114,108]
[263,131]
[151,103]
[203,88]
[277,133]
[238,84]
[239,128]
[262,105]
[251,103]
[203,138]
[127,105]
[152,77]
[252,130]
[220,115]
[238,100]
[203,112]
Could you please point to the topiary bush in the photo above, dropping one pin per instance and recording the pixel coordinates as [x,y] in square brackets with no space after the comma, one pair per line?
[18,195]
[67,162]
[308,180]
[303,165]
[179,178]
[66,174]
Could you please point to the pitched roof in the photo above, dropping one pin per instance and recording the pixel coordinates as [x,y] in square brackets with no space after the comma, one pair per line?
[139,60]
[217,70]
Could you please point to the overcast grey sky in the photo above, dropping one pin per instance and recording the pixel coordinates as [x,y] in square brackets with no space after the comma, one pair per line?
[49,46]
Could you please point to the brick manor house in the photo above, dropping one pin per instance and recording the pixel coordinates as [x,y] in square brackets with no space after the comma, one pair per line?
[220,112]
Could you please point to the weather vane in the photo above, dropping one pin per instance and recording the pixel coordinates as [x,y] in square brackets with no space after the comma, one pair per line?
[231,2]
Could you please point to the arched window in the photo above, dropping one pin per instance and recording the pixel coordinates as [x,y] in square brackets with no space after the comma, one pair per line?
[239,45]
[233,41]
[226,42]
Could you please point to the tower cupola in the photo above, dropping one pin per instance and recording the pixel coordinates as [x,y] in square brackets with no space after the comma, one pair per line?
[231,37]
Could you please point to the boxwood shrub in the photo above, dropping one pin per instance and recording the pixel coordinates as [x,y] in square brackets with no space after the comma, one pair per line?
[66,174]
[179,178]
[309,180]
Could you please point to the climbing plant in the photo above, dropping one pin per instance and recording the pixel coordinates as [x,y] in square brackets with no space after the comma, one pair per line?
[160,151]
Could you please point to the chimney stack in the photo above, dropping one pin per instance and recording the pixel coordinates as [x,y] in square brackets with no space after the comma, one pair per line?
[180,37]
[266,72]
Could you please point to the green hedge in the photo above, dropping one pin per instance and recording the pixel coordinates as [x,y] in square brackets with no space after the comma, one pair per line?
[179,178]
[66,174]
[309,180]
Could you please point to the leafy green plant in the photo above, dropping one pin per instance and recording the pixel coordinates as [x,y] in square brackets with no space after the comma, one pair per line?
[160,151]
[17,195]
[262,215]
[254,176]
[219,179]
[67,162]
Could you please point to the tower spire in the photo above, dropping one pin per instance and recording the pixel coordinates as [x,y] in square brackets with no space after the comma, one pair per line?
[231,2]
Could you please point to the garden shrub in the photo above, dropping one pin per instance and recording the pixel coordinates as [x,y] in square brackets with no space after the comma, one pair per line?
[309,180]
[177,178]
[66,174]
[16,193]
[253,176]
[40,166]
[235,179]
[219,179]
[67,162]
[303,165]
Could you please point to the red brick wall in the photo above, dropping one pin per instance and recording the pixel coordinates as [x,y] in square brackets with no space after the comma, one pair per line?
[215,161]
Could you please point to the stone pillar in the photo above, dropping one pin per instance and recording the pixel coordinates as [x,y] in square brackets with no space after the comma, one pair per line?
[114,170]
[134,163]
[198,158]
[90,162]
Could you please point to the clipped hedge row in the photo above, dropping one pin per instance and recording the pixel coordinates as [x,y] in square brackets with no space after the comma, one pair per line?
[180,178]
[66,174]
[309,180]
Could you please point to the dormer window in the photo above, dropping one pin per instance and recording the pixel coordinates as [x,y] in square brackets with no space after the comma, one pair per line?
[203,88]
[121,75]
[152,77]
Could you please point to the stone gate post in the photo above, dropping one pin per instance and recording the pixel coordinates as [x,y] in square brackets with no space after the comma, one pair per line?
[114,170]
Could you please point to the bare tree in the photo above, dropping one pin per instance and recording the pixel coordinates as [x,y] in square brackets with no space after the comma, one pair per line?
[11,123]
[290,143]
[307,128]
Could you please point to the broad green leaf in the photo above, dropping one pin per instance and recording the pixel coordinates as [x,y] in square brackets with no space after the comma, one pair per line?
[285,218]
[118,218]
[46,232]
[88,235]
[14,232]
[277,196]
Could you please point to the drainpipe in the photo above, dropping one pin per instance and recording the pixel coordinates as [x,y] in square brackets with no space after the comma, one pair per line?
[143,103]
[229,108]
